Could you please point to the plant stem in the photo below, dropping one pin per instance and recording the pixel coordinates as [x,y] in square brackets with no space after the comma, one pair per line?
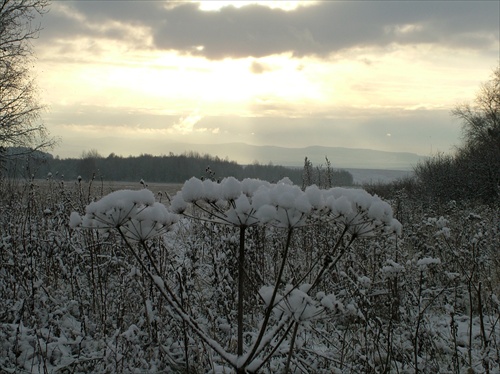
[290,352]
[241,276]
[273,297]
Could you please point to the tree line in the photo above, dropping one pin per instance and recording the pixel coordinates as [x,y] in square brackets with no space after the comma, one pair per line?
[164,169]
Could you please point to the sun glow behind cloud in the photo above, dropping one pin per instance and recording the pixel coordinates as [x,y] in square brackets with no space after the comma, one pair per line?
[213,5]
[178,84]
[174,83]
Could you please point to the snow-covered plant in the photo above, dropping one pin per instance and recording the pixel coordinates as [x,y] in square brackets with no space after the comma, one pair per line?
[248,207]
[283,207]
[134,214]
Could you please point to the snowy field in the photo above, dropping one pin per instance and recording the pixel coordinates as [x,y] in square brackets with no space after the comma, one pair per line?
[243,277]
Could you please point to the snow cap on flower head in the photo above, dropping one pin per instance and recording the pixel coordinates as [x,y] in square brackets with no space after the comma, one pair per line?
[135,213]
[284,204]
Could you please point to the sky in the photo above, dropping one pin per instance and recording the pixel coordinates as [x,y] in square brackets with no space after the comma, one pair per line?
[131,77]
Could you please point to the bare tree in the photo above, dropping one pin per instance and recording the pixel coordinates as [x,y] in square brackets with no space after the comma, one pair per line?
[474,171]
[481,120]
[20,122]
[481,131]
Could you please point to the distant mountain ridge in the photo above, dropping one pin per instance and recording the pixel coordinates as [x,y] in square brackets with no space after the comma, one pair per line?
[340,157]
[244,154]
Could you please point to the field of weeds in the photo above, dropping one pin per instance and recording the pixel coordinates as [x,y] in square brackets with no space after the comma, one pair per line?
[243,276]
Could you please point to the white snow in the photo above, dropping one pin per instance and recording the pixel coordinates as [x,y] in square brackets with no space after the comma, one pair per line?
[426,261]
[266,213]
[74,220]
[134,212]
[211,191]
[392,269]
[249,185]
[230,188]
[315,197]
[178,205]
[192,190]
[283,204]
[341,206]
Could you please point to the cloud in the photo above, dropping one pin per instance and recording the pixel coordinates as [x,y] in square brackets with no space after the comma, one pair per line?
[258,31]
[259,68]
[185,125]
[419,131]
[69,21]
[326,28]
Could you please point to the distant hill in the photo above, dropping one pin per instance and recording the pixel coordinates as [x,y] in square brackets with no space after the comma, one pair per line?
[339,157]
[245,154]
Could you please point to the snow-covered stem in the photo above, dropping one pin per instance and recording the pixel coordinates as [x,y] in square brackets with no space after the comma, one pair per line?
[292,344]
[471,274]
[389,341]
[453,333]
[469,351]
[216,212]
[270,337]
[271,305]
[481,324]
[241,288]
[170,297]
[422,311]
[184,325]
[419,320]
[328,263]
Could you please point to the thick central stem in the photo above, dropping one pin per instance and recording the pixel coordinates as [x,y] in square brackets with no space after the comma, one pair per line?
[271,305]
[241,272]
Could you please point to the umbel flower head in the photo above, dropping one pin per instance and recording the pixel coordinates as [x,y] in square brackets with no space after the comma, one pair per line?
[134,213]
[283,204]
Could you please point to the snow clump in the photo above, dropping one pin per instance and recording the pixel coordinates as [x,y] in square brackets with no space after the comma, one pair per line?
[134,213]
[283,204]
[392,269]
[240,204]
[297,304]
[423,263]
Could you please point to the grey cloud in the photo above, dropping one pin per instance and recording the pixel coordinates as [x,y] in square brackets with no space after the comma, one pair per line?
[258,31]
[115,20]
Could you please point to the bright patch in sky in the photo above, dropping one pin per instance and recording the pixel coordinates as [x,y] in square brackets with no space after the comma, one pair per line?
[211,5]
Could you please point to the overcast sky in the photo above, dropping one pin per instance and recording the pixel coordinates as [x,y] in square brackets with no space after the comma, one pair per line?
[381,75]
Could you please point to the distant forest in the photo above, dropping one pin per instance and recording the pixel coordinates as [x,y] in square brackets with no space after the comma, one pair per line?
[162,169]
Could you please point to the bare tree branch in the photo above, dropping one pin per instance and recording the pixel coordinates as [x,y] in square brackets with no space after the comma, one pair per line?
[20,120]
